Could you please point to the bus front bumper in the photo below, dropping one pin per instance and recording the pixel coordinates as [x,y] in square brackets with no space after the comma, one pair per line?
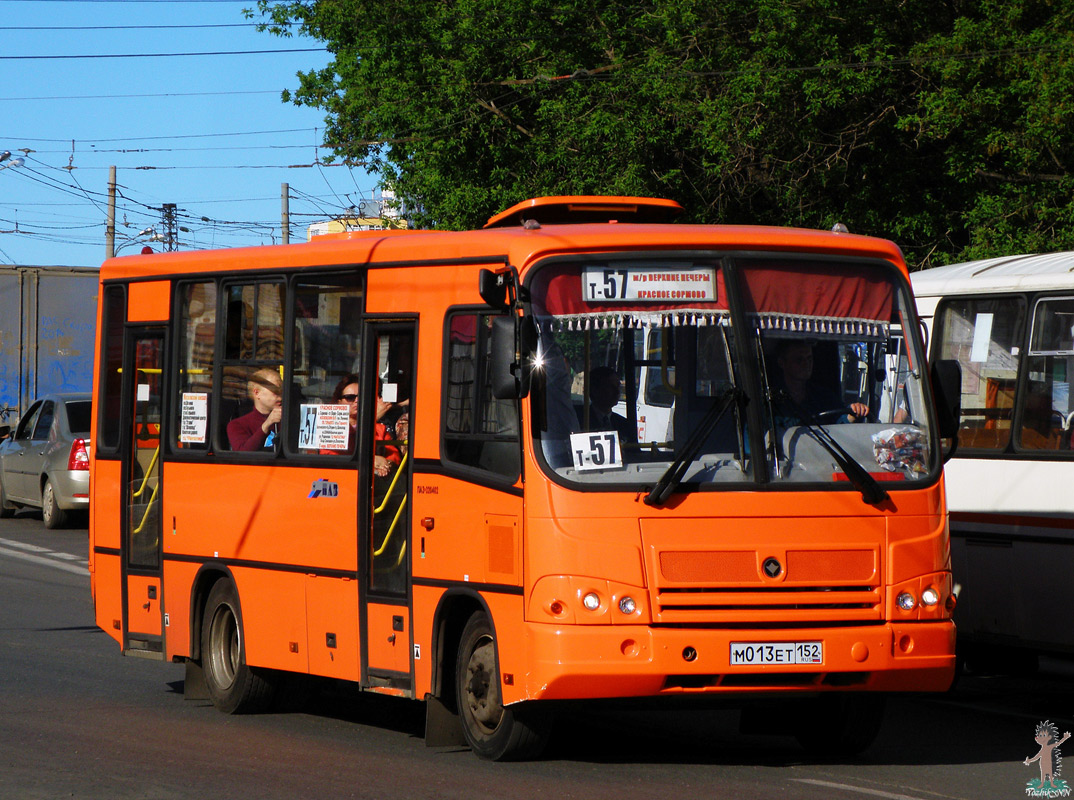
[574,662]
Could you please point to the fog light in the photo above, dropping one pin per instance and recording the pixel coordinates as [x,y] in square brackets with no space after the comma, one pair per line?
[930,597]
[905,601]
[627,605]
[591,601]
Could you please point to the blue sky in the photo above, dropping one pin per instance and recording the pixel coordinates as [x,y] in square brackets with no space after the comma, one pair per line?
[206,132]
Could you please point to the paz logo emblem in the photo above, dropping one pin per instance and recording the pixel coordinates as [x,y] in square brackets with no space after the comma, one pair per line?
[772,568]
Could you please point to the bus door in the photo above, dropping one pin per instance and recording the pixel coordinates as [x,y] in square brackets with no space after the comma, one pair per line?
[385,534]
[141,469]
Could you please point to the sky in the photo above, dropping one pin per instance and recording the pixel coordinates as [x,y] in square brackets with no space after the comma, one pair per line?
[183,98]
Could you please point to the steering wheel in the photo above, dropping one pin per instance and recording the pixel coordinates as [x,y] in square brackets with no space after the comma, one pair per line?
[832,415]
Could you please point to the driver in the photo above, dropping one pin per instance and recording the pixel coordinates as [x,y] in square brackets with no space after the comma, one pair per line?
[795,360]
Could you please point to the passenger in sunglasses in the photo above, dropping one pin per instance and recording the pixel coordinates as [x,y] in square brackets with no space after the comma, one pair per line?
[386,456]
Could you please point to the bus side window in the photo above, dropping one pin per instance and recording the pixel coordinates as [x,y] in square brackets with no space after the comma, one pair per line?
[1046,404]
[984,334]
[253,340]
[197,334]
[326,349]
[478,430]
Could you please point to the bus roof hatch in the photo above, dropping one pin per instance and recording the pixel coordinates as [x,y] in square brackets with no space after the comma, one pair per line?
[567,210]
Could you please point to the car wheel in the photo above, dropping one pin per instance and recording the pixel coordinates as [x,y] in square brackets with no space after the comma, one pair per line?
[6,509]
[51,513]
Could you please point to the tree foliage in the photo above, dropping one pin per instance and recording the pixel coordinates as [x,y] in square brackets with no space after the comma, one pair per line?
[943,124]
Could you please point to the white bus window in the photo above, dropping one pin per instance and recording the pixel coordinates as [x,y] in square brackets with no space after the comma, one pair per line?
[984,335]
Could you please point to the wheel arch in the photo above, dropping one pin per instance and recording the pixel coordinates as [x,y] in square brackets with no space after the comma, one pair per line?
[207,577]
[453,610]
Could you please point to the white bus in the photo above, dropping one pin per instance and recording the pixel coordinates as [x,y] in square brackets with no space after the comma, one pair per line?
[1009,322]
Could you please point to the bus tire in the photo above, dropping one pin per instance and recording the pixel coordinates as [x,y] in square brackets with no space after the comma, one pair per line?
[840,724]
[233,687]
[493,731]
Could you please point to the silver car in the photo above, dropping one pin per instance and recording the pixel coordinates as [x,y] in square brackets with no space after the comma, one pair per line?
[44,463]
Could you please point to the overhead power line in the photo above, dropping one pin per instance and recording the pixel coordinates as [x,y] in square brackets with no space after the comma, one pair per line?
[167,55]
[128,27]
[138,96]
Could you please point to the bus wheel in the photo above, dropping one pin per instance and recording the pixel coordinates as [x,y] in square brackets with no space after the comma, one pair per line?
[233,687]
[840,724]
[493,731]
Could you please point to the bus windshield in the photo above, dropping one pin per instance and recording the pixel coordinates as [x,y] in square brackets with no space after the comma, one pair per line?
[691,365]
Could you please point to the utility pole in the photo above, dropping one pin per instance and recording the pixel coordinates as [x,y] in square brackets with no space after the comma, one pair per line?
[110,225]
[285,214]
[171,235]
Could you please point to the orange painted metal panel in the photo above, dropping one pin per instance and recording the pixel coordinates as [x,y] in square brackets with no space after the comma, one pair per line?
[149,302]
[178,583]
[332,621]
[262,514]
[389,637]
[108,597]
[144,605]
[457,546]
[273,605]
[106,527]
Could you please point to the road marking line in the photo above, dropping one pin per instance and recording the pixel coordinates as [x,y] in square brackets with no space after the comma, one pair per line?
[67,556]
[856,789]
[48,562]
[24,546]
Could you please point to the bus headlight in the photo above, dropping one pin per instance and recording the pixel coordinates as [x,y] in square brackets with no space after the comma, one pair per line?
[591,601]
[930,597]
[627,605]
[906,601]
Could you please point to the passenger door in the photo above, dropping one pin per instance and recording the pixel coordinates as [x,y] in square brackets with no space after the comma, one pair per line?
[144,398]
[385,610]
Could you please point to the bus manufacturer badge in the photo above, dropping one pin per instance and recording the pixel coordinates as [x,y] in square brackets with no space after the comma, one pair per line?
[772,567]
[324,488]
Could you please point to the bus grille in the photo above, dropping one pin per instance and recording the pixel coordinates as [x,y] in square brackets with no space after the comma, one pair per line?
[784,605]
[727,588]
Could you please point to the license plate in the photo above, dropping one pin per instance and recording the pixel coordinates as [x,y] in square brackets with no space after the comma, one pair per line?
[765,653]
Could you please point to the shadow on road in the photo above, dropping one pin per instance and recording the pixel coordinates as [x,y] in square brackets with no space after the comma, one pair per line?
[984,719]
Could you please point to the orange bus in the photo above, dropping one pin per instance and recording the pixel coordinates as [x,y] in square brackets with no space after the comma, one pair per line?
[420,462]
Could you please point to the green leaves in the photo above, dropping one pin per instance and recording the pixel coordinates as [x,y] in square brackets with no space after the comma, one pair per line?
[945,126]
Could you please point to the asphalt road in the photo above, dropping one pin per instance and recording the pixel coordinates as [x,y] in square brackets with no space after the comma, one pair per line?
[78,719]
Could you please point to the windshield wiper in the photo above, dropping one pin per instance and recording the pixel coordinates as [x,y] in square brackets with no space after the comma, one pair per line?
[673,475]
[871,491]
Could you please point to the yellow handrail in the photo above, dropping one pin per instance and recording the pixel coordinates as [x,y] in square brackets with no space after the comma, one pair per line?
[148,472]
[391,486]
[391,529]
[149,505]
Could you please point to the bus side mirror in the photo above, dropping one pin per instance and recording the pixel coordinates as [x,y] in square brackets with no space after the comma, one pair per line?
[947,390]
[492,286]
[511,358]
